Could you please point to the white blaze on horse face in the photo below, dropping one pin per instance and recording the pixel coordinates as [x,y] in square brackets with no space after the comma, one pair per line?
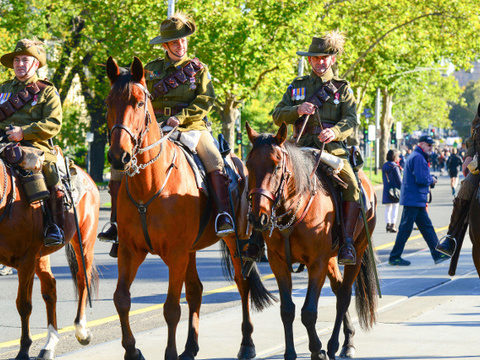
[52,338]
[81,331]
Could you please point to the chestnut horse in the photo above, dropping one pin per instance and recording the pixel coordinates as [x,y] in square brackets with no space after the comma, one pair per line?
[164,189]
[21,247]
[285,197]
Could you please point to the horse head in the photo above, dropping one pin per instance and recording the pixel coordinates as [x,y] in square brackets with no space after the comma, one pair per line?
[128,112]
[267,175]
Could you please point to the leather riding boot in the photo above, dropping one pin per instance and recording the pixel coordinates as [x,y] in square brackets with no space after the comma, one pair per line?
[110,235]
[223,221]
[459,213]
[346,253]
[393,229]
[53,233]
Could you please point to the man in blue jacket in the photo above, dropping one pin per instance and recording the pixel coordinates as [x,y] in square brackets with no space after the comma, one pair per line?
[416,183]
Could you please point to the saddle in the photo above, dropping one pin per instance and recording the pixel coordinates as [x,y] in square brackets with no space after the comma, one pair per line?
[199,169]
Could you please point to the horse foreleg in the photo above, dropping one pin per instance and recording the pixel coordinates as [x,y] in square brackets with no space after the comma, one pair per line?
[49,294]
[287,307]
[344,296]
[247,347]
[82,333]
[24,306]
[316,277]
[171,310]
[128,263]
[193,289]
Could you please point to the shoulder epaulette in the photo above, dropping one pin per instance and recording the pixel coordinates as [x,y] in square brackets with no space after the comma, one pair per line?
[154,61]
[46,82]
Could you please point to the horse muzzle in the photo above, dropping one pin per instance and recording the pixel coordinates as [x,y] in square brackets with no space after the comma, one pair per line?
[259,223]
[119,160]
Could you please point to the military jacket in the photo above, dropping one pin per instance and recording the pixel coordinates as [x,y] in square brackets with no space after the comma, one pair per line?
[339,110]
[40,119]
[195,98]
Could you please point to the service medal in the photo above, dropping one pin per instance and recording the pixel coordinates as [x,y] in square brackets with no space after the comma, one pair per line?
[4,97]
[34,102]
[336,101]
[302,94]
[192,83]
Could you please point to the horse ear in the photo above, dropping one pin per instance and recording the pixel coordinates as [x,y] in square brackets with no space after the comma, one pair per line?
[252,134]
[113,71]
[137,70]
[281,134]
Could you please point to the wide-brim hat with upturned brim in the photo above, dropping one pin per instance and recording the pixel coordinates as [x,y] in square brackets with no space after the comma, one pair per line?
[329,44]
[174,28]
[26,47]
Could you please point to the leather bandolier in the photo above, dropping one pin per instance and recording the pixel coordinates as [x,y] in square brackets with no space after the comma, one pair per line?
[182,75]
[20,99]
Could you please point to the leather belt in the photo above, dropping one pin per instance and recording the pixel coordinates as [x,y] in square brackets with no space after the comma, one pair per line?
[169,110]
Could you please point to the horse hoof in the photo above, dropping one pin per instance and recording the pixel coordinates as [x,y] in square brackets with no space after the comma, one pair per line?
[46,355]
[137,356]
[246,352]
[322,355]
[22,356]
[348,352]
[87,340]
[186,356]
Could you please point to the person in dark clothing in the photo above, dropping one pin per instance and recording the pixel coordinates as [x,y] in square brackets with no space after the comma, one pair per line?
[392,179]
[414,192]
[454,164]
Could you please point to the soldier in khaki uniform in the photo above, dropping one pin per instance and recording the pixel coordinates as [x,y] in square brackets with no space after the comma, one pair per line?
[183,96]
[338,117]
[35,122]
[461,204]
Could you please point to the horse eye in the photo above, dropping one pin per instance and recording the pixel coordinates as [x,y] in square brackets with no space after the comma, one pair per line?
[140,104]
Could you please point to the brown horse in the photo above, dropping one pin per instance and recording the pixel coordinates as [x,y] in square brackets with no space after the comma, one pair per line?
[21,247]
[474,232]
[296,215]
[165,191]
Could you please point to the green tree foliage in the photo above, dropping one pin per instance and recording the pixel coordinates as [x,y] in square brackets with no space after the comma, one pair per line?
[463,113]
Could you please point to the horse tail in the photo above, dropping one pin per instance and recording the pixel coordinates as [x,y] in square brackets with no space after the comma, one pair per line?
[73,265]
[227,263]
[365,293]
[260,297]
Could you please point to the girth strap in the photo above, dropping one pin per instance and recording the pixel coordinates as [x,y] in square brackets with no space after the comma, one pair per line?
[142,208]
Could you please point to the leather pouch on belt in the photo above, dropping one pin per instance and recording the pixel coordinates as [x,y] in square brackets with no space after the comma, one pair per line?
[160,88]
[171,82]
[13,153]
[16,101]
[7,108]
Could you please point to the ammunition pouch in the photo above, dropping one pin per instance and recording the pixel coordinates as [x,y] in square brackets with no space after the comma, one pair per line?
[355,158]
[181,76]
[35,187]
[20,99]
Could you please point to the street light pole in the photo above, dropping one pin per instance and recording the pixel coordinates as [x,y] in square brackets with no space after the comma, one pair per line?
[171,8]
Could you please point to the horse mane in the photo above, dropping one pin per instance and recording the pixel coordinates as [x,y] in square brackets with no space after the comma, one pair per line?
[122,87]
[302,161]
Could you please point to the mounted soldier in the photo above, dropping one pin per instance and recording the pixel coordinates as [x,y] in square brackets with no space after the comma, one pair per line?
[31,115]
[461,203]
[327,105]
[183,95]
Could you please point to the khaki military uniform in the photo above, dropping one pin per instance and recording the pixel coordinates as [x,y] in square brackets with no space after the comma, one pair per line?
[40,120]
[189,102]
[338,113]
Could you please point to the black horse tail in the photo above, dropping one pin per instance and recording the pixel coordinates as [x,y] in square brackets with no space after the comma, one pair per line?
[366,293]
[260,297]
[73,265]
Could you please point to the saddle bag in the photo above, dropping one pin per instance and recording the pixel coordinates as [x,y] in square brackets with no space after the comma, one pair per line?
[35,187]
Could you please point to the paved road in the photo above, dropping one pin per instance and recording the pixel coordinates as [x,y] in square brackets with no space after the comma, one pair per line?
[420,307]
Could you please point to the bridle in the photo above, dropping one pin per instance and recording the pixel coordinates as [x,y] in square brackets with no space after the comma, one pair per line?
[277,196]
[138,140]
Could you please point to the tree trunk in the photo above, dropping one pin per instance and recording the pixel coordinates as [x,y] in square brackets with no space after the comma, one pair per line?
[228,115]
[386,122]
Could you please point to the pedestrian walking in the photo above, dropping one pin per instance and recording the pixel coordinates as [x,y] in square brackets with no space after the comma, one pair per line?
[454,164]
[414,192]
[392,182]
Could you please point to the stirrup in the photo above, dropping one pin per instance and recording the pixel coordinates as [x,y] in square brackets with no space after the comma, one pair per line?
[441,249]
[53,240]
[225,231]
[107,240]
